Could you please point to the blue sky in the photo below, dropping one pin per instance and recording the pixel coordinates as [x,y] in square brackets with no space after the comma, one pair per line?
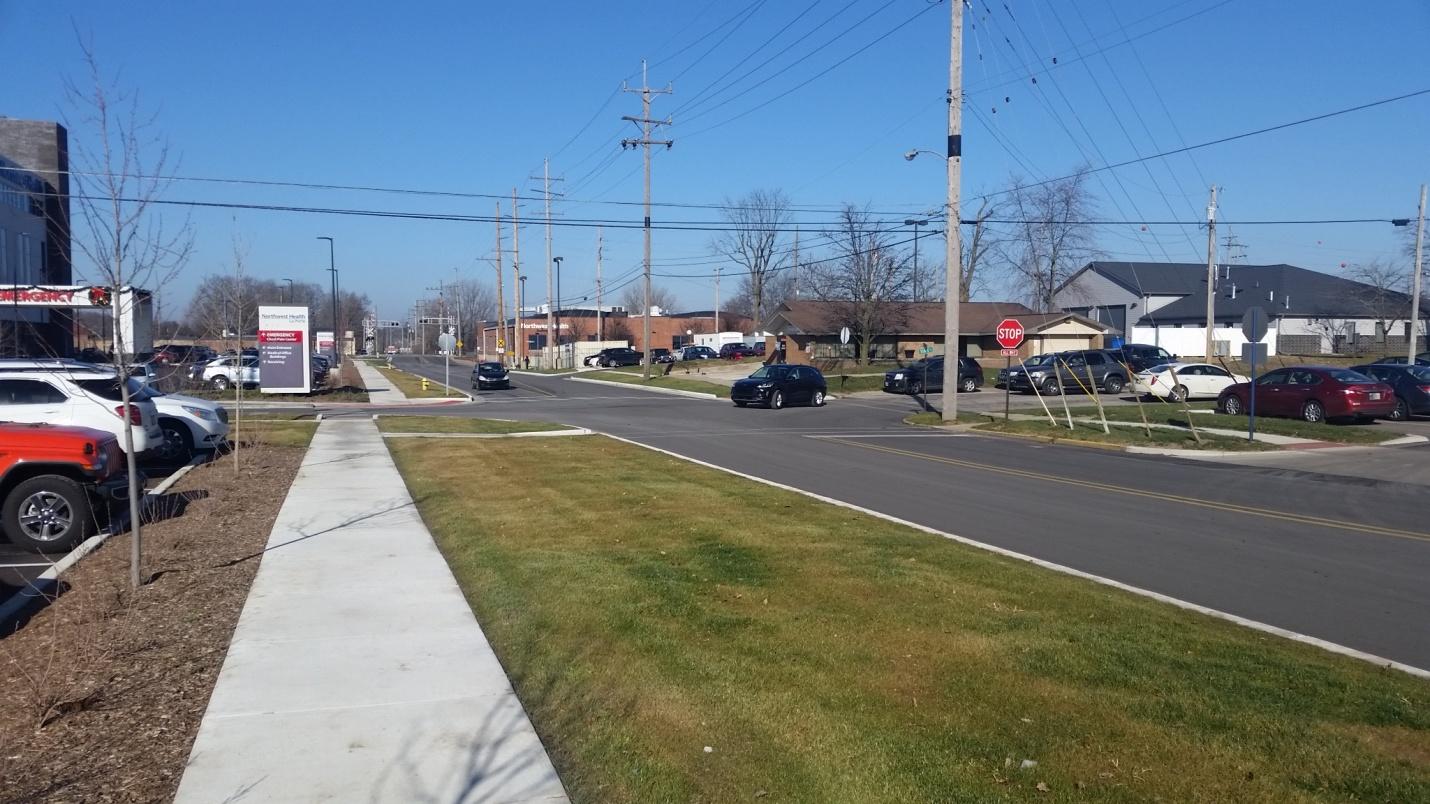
[469,97]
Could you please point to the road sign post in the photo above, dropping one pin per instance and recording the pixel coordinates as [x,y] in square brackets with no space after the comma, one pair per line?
[447,342]
[1009,336]
[1253,327]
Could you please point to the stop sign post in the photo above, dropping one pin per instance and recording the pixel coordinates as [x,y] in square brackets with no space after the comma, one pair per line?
[1009,336]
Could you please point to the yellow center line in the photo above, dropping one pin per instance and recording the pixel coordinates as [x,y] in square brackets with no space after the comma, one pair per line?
[1304,519]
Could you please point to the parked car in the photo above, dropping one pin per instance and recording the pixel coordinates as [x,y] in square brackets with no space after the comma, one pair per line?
[1072,371]
[696,353]
[619,356]
[1140,356]
[1312,393]
[658,355]
[95,356]
[1181,381]
[222,372]
[777,386]
[171,353]
[145,373]
[926,375]
[1422,359]
[1411,385]
[735,351]
[1032,362]
[66,392]
[52,480]
[490,375]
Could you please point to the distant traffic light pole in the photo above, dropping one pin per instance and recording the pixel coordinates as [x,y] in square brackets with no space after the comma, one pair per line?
[337,336]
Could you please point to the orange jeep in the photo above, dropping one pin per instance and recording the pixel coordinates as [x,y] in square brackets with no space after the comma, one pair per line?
[50,479]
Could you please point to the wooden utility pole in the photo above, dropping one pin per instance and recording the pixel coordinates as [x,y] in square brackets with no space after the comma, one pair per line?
[1415,273]
[516,287]
[953,256]
[1211,273]
[501,300]
[551,339]
[646,125]
[600,318]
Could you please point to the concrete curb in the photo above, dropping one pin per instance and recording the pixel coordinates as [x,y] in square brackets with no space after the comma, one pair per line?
[574,431]
[1403,441]
[669,391]
[1066,570]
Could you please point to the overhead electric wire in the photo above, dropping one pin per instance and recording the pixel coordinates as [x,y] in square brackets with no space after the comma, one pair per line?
[772,37]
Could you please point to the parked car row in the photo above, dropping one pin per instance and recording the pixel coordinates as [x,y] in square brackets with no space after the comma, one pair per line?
[924,376]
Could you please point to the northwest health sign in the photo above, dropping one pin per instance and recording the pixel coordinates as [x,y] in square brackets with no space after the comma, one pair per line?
[285,366]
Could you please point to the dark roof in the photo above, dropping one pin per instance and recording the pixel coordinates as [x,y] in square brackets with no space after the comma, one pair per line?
[926,318]
[1281,289]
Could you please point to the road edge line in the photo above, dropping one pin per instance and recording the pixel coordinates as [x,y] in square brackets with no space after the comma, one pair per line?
[637,386]
[1294,636]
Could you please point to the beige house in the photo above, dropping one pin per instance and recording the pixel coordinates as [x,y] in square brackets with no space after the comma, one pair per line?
[811,331]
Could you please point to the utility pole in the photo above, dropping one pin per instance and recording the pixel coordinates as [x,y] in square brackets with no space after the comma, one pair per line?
[551,339]
[798,275]
[501,302]
[600,320]
[518,287]
[717,303]
[1415,269]
[953,257]
[646,125]
[1211,272]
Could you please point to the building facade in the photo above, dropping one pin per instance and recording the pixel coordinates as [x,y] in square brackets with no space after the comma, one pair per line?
[35,221]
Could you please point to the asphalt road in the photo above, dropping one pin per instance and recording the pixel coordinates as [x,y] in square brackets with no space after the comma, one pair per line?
[1338,558]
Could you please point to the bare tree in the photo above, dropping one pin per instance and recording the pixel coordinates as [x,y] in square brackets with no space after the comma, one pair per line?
[633,299]
[777,288]
[1050,237]
[123,168]
[866,288]
[471,303]
[1385,292]
[979,249]
[753,243]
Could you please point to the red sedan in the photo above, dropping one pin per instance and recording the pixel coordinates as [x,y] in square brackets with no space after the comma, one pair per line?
[1313,393]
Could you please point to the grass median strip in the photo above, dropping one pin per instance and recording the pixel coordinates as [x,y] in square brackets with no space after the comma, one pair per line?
[1206,416]
[411,384]
[273,431]
[674,381]
[677,633]
[452,424]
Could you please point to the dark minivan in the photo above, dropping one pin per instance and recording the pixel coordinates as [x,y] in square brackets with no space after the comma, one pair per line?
[927,375]
[490,375]
[777,386]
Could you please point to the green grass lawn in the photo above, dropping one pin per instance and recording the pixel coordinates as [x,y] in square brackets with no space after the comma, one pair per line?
[411,384]
[1163,413]
[453,424]
[273,431]
[631,375]
[1119,434]
[680,634]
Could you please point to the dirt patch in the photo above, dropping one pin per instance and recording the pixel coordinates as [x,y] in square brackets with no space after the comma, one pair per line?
[103,689]
[348,376]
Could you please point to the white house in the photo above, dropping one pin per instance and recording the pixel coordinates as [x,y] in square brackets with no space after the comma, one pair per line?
[1311,312]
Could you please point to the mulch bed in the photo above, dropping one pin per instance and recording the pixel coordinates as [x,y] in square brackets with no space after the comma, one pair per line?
[103,690]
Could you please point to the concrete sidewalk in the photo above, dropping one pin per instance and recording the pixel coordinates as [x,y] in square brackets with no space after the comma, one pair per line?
[357,671]
[380,390]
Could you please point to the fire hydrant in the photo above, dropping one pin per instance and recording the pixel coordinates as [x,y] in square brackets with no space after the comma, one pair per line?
[424,383]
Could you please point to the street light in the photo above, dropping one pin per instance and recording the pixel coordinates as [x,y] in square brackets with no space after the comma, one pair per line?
[520,333]
[337,335]
[290,290]
[916,223]
[556,355]
[953,248]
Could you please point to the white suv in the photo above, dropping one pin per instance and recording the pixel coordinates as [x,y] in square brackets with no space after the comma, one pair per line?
[77,394]
[222,372]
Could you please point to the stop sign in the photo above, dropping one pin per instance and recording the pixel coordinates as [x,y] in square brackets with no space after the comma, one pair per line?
[1010,333]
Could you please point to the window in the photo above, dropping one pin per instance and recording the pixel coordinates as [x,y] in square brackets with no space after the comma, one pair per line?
[1095,359]
[1273,378]
[1214,371]
[29,392]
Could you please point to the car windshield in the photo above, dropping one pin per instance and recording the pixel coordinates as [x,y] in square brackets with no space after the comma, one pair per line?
[1420,373]
[770,373]
[1350,377]
[108,388]
[490,367]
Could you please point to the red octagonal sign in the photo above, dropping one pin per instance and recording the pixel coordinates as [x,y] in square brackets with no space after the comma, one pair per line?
[1010,333]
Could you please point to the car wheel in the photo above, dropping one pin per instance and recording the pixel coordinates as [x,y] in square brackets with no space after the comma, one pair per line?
[178,441]
[219,383]
[1229,405]
[1313,411]
[777,400]
[1179,393]
[1401,411]
[1112,384]
[916,387]
[1052,388]
[968,385]
[48,514]
[817,400]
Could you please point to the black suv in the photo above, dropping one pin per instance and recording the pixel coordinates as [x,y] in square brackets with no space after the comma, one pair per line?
[1073,371]
[1141,356]
[619,356]
[659,355]
[927,375]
